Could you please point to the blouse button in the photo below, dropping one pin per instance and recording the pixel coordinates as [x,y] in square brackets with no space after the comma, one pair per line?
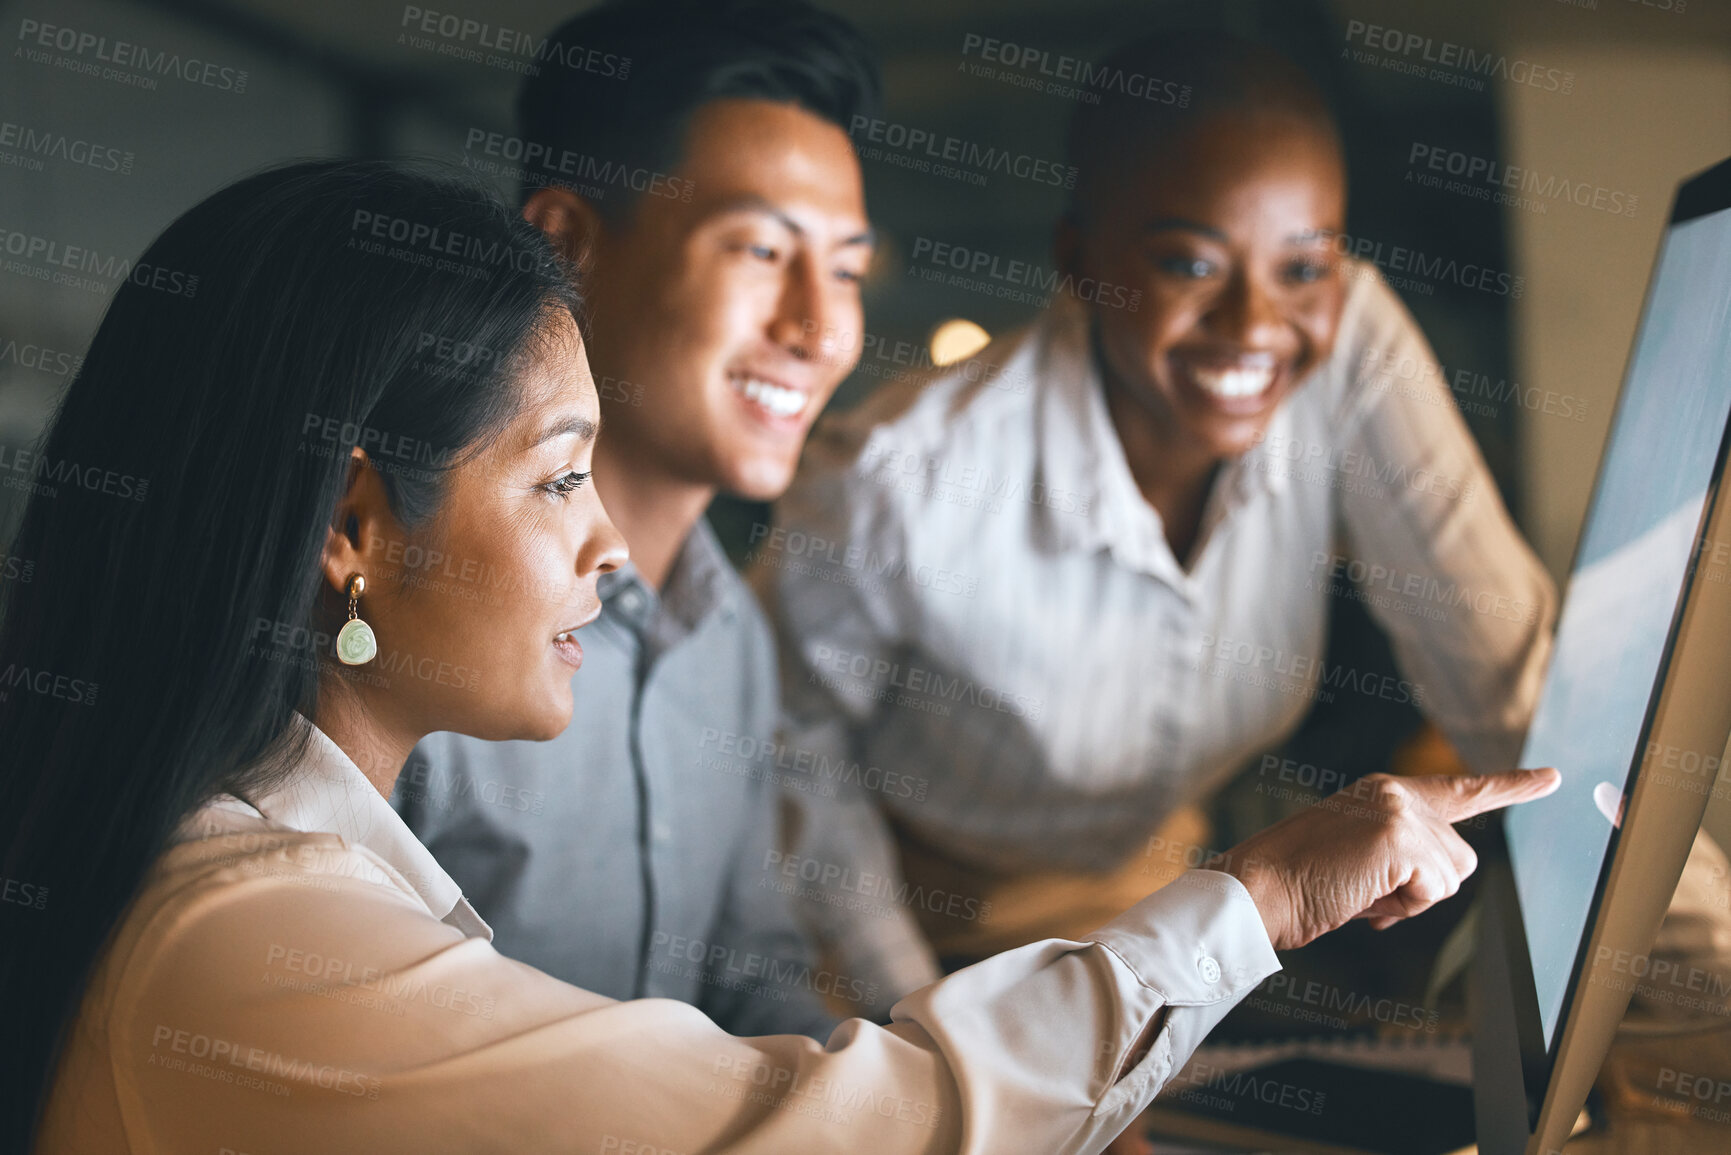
[1209,968]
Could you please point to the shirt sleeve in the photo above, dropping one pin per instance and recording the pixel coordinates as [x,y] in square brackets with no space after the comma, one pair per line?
[296,1002]
[1466,604]
[829,618]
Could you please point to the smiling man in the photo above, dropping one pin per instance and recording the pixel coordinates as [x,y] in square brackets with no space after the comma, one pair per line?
[691,160]
[1151,495]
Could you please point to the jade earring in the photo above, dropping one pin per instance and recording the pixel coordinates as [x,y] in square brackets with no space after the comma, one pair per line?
[356,645]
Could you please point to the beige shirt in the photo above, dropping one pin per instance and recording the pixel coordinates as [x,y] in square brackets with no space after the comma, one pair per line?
[299,975]
[973,597]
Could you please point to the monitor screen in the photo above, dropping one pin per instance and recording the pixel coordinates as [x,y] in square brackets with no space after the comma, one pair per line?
[1629,575]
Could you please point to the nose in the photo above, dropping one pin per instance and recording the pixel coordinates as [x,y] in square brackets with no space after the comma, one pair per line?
[807,322]
[1245,313]
[604,549]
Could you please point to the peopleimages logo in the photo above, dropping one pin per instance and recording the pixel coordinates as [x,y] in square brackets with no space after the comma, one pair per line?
[815,764]
[38,473]
[1396,260]
[23,893]
[1473,392]
[1216,654]
[591,176]
[926,151]
[1374,577]
[1487,178]
[1006,278]
[1426,57]
[90,52]
[47,684]
[1235,1086]
[40,358]
[1352,470]
[1283,994]
[47,259]
[34,145]
[771,544]
[1069,76]
[433,246]
[478,42]
[168,1042]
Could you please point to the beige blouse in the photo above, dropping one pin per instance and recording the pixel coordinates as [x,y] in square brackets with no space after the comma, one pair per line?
[298,975]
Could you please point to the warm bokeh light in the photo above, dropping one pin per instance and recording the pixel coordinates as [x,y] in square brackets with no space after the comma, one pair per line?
[956,339]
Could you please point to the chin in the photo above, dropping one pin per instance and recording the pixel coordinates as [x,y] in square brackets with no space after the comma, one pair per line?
[1236,444]
[760,480]
[546,727]
[549,717]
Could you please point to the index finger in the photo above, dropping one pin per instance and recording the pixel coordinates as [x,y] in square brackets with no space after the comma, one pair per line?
[1458,796]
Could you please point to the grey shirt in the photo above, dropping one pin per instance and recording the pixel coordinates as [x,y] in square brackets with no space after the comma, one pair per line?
[632,855]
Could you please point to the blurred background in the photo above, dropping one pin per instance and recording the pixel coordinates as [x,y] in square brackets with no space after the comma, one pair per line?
[1619,98]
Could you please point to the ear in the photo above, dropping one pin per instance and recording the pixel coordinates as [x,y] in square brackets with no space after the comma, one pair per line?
[570,222]
[361,527]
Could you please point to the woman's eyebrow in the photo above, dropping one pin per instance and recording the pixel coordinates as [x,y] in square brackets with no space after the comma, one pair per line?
[1301,238]
[584,428]
[1189,226]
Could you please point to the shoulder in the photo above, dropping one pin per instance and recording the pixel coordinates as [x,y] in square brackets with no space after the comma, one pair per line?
[736,622]
[940,407]
[862,464]
[250,950]
[1376,336]
[744,631]
[230,850]
[1375,326]
[213,909]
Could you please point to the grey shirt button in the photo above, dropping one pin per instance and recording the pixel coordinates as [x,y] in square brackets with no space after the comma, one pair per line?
[661,831]
[631,601]
[1209,968]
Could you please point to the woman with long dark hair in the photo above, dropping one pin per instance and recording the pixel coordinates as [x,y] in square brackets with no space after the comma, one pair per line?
[317,491]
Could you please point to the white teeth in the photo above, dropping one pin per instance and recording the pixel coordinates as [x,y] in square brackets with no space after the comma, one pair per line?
[562,637]
[1239,381]
[779,401]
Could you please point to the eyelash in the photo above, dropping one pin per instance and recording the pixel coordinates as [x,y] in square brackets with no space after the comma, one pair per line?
[567,485]
[1191,268]
[767,253]
[1297,272]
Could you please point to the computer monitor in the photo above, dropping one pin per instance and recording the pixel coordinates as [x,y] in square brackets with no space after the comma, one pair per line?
[1635,711]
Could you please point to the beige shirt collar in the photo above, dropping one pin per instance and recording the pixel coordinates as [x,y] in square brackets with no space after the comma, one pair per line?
[327,793]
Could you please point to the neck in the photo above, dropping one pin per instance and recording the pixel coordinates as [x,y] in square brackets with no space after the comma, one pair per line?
[371,740]
[654,509]
[1163,461]
[1164,466]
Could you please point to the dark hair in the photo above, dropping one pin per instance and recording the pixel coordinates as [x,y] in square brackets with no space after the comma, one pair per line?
[198,457]
[617,85]
[1160,86]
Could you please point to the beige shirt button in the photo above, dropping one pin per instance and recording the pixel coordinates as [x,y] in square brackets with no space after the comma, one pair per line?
[1209,968]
